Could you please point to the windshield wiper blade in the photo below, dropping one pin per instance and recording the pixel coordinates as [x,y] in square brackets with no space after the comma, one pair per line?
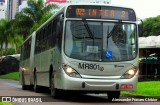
[87,28]
[115,29]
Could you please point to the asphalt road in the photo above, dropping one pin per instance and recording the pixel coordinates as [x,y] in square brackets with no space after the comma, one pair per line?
[12,89]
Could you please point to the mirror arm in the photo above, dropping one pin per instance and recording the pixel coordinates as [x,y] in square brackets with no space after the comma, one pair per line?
[141,27]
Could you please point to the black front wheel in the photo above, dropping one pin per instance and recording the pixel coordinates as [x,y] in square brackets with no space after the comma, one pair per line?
[113,95]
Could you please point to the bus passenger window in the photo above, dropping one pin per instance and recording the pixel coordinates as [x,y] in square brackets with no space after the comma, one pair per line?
[53,33]
[59,32]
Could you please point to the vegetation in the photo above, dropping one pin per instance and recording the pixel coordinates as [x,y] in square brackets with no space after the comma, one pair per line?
[147,88]
[5,103]
[29,16]
[151,26]
[13,75]
[28,20]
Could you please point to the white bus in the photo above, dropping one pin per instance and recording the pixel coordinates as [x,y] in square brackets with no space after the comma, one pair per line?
[90,48]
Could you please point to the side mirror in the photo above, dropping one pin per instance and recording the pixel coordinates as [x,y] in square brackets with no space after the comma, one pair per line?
[140,28]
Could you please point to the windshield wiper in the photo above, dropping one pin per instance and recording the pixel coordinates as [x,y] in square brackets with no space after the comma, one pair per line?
[114,30]
[87,28]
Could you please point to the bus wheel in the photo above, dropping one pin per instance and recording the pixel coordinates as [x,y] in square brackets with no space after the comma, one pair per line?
[35,87]
[24,87]
[54,92]
[113,94]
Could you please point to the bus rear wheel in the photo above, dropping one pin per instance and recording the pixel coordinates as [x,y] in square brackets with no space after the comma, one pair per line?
[35,87]
[24,87]
[113,94]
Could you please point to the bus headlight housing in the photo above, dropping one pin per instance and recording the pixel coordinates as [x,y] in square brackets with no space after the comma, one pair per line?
[70,71]
[129,74]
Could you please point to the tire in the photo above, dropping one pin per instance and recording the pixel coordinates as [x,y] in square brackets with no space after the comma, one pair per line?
[55,93]
[24,87]
[35,87]
[113,94]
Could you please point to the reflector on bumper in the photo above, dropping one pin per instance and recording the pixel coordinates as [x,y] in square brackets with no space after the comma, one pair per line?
[126,86]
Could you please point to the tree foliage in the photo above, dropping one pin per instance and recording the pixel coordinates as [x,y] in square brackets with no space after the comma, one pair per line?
[8,36]
[22,25]
[3,27]
[5,33]
[40,22]
[28,20]
[29,16]
[151,26]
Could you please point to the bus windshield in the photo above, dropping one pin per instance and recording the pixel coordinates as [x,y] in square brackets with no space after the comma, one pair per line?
[100,40]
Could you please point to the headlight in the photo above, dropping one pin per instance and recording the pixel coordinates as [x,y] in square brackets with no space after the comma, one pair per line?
[129,74]
[70,71]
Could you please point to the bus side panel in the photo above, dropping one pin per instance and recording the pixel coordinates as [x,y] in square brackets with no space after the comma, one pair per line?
[26,72]
[37,62]
[43,73]
[57,68]
[27,54]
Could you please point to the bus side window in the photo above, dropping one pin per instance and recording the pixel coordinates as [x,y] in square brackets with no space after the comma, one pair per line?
[49,35]
[40,41]
[22,53]
[27,49]
[37,48]
[59,31]
[46,34]
[43,40]
[52,39]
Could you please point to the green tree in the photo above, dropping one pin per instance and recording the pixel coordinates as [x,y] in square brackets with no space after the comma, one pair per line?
[40,22]
[15,39]
[31,15]
[3,34]
[16,42]
[151,26]
[8,36]
[22,24]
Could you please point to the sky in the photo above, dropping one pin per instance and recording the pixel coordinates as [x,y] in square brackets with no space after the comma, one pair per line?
[143,8]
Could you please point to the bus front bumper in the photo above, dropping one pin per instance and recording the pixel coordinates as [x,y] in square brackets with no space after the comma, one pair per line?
[71,83]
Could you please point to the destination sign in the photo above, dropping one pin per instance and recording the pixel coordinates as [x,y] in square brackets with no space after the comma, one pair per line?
[100,12]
